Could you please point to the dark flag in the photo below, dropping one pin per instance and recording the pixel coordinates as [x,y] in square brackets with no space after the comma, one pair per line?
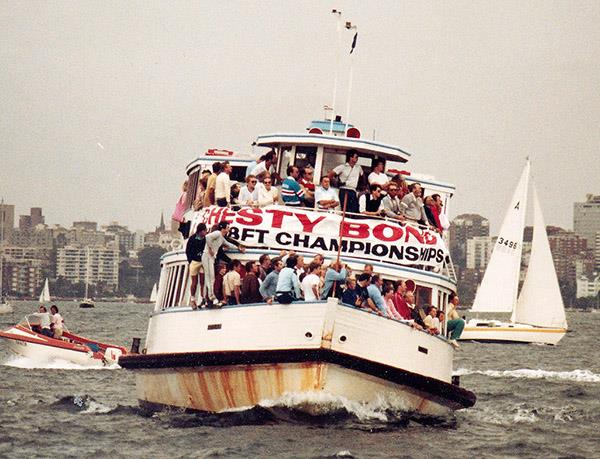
[354,42]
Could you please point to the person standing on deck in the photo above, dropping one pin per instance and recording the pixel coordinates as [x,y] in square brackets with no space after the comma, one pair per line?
[288,285]
[214,241]
[223,185]
[211,183]
[193,251]
[250,292]
[349,175]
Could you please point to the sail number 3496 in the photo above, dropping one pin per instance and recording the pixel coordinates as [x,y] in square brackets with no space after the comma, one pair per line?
[507,243]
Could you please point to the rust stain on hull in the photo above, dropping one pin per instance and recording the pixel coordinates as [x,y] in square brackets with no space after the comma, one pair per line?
[222,388]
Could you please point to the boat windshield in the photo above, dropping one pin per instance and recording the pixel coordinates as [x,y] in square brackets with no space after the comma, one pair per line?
[31,319]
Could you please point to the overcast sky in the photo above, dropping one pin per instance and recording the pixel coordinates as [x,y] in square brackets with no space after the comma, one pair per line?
[104,103]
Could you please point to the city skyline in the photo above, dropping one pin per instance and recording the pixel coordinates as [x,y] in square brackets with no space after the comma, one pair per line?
[101,118]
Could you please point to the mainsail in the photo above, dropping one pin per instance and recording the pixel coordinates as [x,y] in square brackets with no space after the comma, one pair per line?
[540,302]
[45,294]
[499,287]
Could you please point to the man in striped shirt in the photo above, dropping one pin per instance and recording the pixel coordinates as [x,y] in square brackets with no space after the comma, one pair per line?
[292,193]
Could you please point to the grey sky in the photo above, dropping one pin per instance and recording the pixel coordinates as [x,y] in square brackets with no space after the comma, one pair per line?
[469,88]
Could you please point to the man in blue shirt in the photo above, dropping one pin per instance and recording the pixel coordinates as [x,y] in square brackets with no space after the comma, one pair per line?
[288,285]
[335,273]
[375,297]
[291,191]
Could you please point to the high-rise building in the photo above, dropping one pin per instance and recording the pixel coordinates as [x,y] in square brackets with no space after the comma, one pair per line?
[567,247]
[479,249]
[586,218]
[94,264]
[462,228]
[7,221]
[36,216]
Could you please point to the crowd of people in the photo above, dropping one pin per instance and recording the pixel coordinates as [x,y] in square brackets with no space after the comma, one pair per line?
[289,277]
[346,186]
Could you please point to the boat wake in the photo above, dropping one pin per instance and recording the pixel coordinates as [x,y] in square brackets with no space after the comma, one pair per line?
[307,408]
[574,375]
[30,364]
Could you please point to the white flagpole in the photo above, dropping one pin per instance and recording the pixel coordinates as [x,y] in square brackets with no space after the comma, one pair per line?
[337,64]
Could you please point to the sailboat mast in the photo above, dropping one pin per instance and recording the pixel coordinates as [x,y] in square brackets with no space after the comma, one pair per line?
[87,270]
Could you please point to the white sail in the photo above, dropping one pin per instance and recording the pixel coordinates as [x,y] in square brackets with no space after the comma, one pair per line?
[45,294]
[540,302]
[499,287]
[153,294]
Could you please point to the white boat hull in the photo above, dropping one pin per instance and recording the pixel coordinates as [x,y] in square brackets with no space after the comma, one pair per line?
[5,308]
[239,357]
[42,352]
[506,332]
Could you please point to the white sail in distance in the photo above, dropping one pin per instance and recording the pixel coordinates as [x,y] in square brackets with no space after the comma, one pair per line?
[45,293]
[499,287]
[153,294]
[540,302]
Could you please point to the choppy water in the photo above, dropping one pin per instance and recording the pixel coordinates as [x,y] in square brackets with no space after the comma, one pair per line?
[533,401]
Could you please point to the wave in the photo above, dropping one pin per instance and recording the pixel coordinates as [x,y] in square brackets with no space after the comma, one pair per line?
[86,404]
[574,375]
[56,364]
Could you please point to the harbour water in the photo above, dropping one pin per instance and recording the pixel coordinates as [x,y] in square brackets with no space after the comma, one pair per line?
[533,401]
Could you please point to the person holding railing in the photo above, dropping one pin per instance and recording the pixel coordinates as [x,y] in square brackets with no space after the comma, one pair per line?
[369,204]
[376,301]
[335,274]
[391,205]
[267,193]
[249,193]
[326,197]
[412,205]
[268,288]
[288,285]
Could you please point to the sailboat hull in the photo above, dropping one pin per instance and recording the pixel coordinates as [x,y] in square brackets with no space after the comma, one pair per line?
[494,331]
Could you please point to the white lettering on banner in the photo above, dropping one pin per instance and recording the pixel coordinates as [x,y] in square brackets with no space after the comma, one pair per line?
[300,229]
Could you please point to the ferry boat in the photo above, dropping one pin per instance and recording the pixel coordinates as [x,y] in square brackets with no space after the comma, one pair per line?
[245,355]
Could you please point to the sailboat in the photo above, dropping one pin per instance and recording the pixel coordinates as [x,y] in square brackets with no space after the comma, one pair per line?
[153,294]
[87,302]
[538,314]
[45,293]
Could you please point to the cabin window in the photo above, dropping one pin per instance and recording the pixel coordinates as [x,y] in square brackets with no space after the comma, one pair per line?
[331,159]
[287,158]
[423,296]
[238,174]
[305,156]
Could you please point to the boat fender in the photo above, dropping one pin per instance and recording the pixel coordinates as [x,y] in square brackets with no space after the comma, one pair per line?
[112,354]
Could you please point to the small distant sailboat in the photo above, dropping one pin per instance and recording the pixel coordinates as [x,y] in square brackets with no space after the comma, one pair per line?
[87,301]
[538,315]
[45,293]
[153,294]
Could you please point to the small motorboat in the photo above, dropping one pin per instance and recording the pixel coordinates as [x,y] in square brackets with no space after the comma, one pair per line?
[24,339]
[87,303]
